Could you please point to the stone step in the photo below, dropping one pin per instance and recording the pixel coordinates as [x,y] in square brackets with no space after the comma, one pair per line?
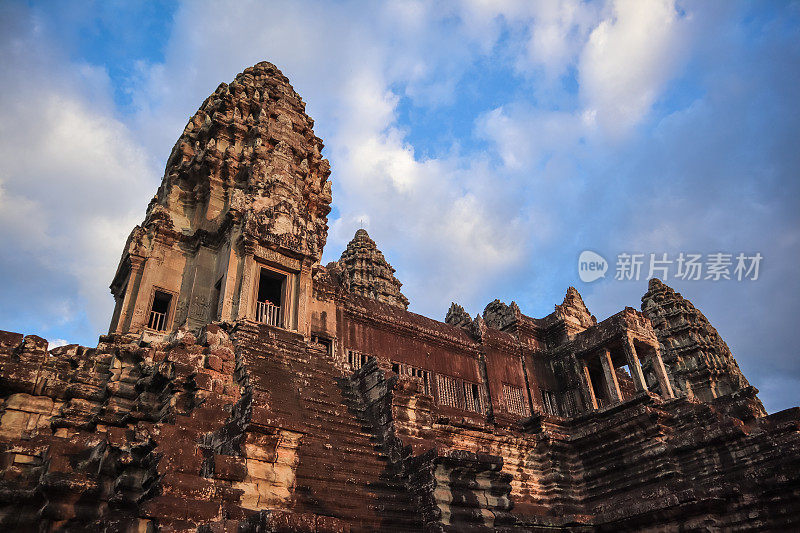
[344,424]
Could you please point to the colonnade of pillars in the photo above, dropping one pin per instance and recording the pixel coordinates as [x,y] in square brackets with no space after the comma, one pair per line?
[610,381]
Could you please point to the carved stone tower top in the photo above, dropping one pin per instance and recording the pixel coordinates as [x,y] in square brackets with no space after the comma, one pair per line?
[362,269]
[699,361]
[245,188]
[249,152]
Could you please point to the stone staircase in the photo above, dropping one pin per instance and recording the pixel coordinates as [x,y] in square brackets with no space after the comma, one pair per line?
[342,470]
[452,488]
[394,503]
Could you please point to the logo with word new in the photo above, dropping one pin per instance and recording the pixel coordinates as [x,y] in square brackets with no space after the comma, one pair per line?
[591,266]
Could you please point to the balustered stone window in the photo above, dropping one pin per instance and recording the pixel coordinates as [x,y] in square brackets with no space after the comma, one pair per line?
[550,402]
[423,376]
[514,400]
[448,389]
[270,303]
[357,359]
[473,400]
[159,311]
[460,394]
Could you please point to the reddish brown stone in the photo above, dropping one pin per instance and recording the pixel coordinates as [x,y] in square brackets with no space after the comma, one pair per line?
[214,363]
[230,467]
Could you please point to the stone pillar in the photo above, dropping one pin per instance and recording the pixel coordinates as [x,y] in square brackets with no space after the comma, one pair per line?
[661,374]
[612,385]
[131,294]
[634,365]
[226,295]
[302,297]
[586,381]
[249,277]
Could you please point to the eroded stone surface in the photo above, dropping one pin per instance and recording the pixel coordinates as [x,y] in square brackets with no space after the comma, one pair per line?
[457,316]
[250,152]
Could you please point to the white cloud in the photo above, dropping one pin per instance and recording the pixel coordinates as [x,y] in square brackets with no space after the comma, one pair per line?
[557,34]
[74,180]
[629,57]
[526,137]
[352,65]
[548,35]
[56,343]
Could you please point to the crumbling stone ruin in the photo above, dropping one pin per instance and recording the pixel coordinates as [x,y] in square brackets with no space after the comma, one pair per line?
[244,387]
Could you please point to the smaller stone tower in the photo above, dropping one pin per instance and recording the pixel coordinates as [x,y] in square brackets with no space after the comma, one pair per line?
[363,270]
[699,361]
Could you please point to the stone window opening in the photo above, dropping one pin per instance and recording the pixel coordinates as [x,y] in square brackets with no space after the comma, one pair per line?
[625,381]
[159,311]
[270,308]
[612,375]
[473,401]
[215,304]
[357,359]
[458,393]
[654,372]
[550,403]
[449,391]
[569,403]
[514,400]
[423,376]
[598,384]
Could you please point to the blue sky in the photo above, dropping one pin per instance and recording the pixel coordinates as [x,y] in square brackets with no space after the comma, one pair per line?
[483,144]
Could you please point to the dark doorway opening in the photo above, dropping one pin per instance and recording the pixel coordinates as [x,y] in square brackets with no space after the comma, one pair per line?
[215,303]
[598,385]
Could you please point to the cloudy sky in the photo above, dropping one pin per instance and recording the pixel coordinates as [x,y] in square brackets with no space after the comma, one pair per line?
[484,144]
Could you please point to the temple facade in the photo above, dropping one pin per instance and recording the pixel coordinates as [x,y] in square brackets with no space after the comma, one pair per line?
[244,386]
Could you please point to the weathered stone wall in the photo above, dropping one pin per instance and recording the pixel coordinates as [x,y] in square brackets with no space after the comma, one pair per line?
[131,437]
[257,427]
[648,463]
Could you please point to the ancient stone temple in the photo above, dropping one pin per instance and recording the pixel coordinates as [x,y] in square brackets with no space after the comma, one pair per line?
[243,386]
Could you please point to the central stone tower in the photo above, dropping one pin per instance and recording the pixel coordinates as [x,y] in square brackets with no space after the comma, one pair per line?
[239,220]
